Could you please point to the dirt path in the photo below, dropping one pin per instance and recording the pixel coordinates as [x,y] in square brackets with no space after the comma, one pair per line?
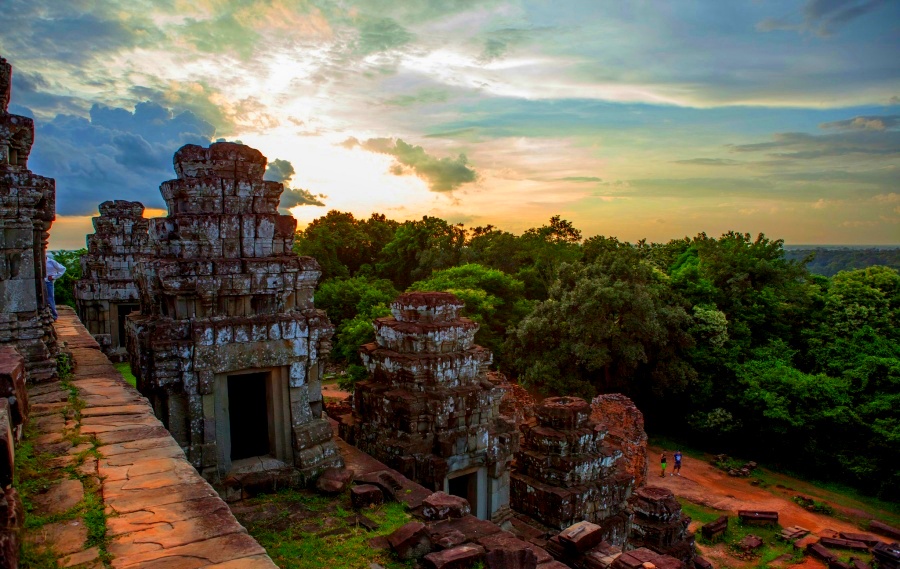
[706,485]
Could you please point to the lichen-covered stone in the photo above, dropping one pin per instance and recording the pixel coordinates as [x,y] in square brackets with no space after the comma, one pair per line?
[567,472]
[107,290]
[222,293]
[427,408]
[27,209]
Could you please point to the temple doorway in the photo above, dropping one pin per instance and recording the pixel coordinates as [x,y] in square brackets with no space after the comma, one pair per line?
[470,484]
[248,415]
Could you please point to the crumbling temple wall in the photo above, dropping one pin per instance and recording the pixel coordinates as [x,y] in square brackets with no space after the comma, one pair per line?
[659,524]
[624,424]
[427,408]
[106,292]
[27,208]
[567,473]
[228,346]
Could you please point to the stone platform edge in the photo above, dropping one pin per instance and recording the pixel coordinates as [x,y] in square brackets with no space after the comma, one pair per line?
[161,512]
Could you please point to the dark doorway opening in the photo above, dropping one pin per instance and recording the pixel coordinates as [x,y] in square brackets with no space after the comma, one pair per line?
[465,486]
[123,310]
[248,415]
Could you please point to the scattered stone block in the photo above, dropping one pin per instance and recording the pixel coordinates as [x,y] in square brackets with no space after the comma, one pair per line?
[459,557]
[715,528]
[442,506]
[820,552]
[365,495]
[510,558]
[750,542]
[581,536]
[868,539]
[857,563]
[838,543]
[793,533]
[702,563]
[410,541]
[758,516]
[334,480]
[887,555]
[884,529]
[637,558]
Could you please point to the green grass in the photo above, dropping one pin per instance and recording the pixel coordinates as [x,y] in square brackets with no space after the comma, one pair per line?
[299,546]
[773,546]
[125,369]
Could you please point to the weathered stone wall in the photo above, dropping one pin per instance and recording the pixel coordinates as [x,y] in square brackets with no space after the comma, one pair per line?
[222,293]
[566,473]
[107,288]
[624,424]
[27,208]
[427,408]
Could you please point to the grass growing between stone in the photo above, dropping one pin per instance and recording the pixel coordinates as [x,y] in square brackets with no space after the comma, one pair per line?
[36,472]
[124,368]
[302,530]
[773,546]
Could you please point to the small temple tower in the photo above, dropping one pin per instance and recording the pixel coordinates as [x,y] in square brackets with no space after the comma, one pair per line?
[228,346]
[427,408]
[27,208]
[566,473]
[106,293]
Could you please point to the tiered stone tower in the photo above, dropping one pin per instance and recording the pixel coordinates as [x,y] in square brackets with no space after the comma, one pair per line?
[27,208]
[566,473]
[228,346]
[427,408]
[106,292]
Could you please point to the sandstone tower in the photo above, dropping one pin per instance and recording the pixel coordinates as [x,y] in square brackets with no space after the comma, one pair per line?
[427,408]
[228,346]
[27,208]
[106,293]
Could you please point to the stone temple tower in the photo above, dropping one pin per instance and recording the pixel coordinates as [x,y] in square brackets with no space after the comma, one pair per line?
[428,409]
[227,345]
[27,208]
[106,293]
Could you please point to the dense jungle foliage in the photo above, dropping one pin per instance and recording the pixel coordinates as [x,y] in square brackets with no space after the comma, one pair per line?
[724,342]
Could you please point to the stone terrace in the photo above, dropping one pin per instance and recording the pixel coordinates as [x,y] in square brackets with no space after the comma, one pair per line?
[161,513]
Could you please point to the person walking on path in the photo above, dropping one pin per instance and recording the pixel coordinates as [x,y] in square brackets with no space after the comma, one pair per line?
[676,470]
[662,462]
[54,270]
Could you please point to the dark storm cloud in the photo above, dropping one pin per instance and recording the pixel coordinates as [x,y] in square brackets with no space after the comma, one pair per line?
[279,170]
[442,174]
[299,196]
[114,154]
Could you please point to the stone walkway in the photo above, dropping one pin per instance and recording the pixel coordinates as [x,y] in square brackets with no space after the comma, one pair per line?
[111,452]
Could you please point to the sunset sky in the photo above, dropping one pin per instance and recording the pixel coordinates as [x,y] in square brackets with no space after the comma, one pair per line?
[639,119]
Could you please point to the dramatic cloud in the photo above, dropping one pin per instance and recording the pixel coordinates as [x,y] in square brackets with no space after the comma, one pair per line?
[442,174]
[802,146]
[299,196]
[709,162]
[823,17]
[279,170]
[115,154]
[865,123]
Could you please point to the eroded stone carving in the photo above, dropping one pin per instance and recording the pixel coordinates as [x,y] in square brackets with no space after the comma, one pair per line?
[106,292]
[659,524]
[27,208]
[228,346]
[427,407]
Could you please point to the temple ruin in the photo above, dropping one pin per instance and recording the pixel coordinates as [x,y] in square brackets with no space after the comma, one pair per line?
[566,473]
[659,524]
[227,345]
[27,208]
[106,293]
[427,408]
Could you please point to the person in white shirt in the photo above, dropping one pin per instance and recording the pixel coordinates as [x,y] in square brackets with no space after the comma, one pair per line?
[54,270]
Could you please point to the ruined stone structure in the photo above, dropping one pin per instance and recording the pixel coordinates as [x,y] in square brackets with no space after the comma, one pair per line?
[27,208]
[659,524]
[106,293]
[427,408]
[227,345]
[624,425]
[566,473]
